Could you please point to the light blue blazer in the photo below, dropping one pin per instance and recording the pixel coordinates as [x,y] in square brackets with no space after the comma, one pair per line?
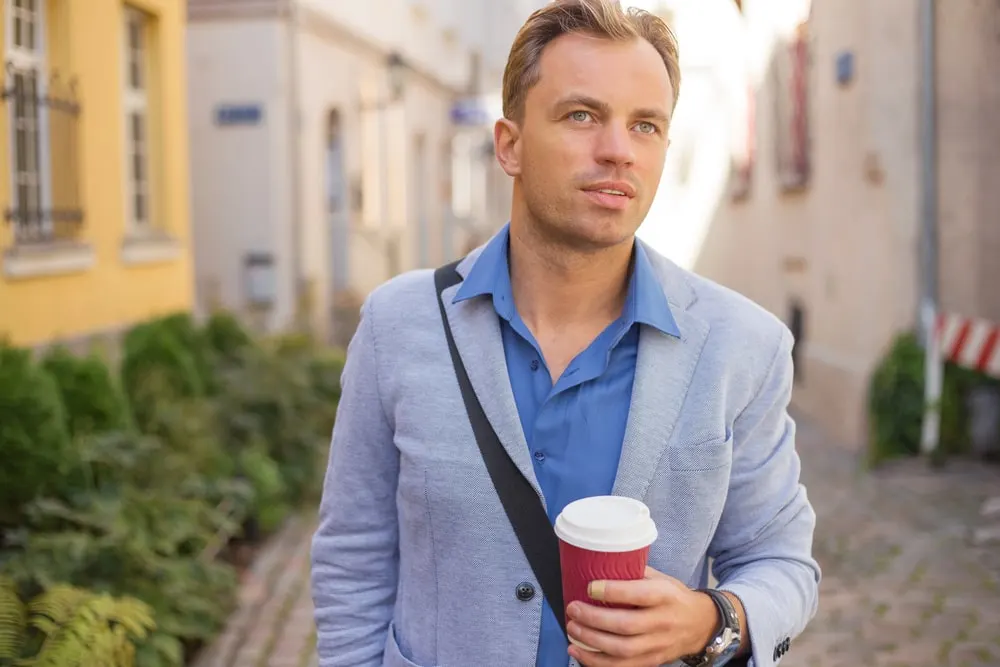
[414,562]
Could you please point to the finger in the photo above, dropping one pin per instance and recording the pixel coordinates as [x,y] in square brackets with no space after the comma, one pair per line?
[655,574]
[589,659]
[611,644]
[638,592]
[624,622]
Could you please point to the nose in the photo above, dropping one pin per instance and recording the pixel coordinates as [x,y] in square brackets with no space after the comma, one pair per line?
[614,145]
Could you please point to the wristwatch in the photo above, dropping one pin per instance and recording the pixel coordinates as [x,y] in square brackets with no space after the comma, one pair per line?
[726,642]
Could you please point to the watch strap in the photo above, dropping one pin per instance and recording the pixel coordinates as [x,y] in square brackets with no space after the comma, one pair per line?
[720,648]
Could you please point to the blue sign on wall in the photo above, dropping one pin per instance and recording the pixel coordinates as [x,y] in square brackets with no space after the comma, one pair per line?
[845,67]
[238,114]
[469,112]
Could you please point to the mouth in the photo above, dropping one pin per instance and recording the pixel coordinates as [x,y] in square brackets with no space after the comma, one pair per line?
[612,195]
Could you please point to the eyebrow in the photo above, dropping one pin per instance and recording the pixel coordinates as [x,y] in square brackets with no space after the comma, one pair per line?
[605,109]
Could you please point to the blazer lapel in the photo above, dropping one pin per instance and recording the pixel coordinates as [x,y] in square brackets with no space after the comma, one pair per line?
[665,366]
[476,328]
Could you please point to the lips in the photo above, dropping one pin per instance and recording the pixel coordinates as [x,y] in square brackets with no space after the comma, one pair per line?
[614,188]
[614,195]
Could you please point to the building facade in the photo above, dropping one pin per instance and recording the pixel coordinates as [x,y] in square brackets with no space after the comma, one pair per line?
[93,167]
[335,144]
[812,203]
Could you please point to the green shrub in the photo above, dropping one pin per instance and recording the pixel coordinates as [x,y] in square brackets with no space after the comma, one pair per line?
[190,431]
[158,365]
[896,404]
[34,440]
[66,626]
[193,339]
[93,401]
[326,367]
[142,530]
[270,397]
[270,495]
[226,338]
[291,345]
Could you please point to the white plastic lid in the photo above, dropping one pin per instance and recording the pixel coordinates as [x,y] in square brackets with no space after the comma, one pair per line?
[606,523]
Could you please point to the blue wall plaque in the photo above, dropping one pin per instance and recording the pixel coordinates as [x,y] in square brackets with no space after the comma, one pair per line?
[238,114]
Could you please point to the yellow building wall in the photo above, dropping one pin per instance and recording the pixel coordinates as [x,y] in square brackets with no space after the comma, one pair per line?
[85,39]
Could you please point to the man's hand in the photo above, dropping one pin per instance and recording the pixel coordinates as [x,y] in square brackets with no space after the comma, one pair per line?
[670,620]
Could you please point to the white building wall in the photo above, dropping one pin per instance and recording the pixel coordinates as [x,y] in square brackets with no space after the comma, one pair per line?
[240,183]
[419,189]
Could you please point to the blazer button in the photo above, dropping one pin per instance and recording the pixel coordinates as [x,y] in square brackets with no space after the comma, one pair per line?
[525,591]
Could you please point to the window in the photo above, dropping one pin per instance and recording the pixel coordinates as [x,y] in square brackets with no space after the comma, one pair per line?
[792,110]
[27,118]
[136,119]
[742,166]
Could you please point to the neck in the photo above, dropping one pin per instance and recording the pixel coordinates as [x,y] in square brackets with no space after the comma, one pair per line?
[556,287]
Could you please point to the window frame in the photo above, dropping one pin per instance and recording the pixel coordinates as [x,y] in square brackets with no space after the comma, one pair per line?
[135,102]
[19,59]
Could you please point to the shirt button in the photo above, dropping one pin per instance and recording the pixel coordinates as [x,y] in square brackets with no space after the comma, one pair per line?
[524,591]
[539,456]
[534,364]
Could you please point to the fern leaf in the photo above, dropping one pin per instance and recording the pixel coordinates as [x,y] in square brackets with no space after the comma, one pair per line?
[84,629]
[13,621]
[55,608]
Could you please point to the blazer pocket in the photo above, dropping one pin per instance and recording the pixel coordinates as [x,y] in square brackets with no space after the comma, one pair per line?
[710,455]
[393,655]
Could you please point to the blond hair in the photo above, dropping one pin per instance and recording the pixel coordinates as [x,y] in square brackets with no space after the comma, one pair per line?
[599,18]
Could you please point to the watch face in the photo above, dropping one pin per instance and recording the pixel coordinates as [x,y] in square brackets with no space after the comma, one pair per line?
[730,645]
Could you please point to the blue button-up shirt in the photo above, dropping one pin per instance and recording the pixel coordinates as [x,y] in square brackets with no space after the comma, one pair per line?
[575,428]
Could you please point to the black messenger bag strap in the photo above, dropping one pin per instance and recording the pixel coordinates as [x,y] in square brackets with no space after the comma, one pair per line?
[520,502]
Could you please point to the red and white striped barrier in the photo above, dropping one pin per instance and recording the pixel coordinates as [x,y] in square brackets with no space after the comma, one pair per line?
[970,342]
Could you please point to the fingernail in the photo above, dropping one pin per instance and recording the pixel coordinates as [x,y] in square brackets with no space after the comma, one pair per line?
[595,590]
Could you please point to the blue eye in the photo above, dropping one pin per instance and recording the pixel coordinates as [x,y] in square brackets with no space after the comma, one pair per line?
[580,116]
[647,128]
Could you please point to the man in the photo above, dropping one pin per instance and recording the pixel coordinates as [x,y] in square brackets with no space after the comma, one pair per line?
[603,369]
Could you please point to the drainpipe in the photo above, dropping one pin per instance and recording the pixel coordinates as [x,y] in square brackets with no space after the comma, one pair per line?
[295,168]
[933,366]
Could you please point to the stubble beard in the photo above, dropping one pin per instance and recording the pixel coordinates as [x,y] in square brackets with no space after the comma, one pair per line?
[559,229]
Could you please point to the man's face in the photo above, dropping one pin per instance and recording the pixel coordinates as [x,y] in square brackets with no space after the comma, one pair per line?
[589,150]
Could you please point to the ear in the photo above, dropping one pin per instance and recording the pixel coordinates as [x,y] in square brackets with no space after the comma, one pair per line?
[507,146]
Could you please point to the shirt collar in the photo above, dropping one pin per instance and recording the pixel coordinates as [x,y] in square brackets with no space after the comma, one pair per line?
[490,275]
[647,298]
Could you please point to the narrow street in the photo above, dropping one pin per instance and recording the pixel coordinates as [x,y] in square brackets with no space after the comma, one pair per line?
[904,585]
[273,626]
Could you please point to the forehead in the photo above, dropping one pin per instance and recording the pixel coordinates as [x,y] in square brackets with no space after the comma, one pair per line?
[628,73]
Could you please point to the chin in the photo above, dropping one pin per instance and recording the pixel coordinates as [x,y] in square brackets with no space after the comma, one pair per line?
[585,228]
[602,232]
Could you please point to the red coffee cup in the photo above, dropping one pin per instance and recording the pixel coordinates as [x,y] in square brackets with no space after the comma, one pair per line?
[602,537]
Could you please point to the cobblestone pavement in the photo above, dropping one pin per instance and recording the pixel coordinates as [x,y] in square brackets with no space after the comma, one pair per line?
[904,585]
[273,625]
